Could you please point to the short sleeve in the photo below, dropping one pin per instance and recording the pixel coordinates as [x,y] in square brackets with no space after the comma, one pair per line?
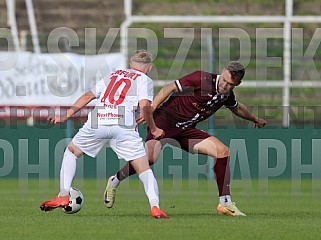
[189,82]
[98,88]
[145,89]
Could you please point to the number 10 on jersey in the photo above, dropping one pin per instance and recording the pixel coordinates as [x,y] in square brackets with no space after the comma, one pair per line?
[113,88]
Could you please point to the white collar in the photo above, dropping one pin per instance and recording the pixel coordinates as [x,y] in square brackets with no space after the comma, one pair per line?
[219,94]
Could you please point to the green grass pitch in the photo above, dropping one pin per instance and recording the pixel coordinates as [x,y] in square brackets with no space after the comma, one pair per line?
[277,212]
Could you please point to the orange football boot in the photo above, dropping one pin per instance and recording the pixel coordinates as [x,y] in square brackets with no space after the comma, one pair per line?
[55,203]
[157,213]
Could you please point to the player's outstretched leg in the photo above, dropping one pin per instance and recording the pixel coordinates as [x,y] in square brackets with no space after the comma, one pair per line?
[229,209]
[67,173]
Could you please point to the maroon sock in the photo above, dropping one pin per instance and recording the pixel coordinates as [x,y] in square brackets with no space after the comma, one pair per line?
[223,175]
[125,172]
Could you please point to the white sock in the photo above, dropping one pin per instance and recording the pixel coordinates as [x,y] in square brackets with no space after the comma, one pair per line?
[151,187]
[114,182]
[225,199]
[67,172]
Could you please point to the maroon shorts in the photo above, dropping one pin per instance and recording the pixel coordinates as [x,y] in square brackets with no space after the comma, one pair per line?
[183,138]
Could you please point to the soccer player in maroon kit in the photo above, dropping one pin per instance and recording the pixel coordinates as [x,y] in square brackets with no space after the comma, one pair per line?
[179,106]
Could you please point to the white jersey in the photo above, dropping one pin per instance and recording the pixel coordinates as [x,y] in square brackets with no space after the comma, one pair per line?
[118,97]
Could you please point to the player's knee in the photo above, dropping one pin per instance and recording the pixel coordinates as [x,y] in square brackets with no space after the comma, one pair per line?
[223,152]
[71,149]
[151,160]
[152,157]
[74,150]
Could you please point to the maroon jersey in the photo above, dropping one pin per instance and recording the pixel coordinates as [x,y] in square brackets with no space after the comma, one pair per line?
[196,100]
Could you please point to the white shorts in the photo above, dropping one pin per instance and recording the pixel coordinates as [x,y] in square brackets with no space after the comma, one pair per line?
[125,142]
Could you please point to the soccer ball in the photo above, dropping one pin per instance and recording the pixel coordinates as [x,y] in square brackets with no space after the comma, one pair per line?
[76,200]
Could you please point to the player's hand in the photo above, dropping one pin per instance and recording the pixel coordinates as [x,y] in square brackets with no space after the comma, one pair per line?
[57,119]
[157,133]
[260,123]
[140,119]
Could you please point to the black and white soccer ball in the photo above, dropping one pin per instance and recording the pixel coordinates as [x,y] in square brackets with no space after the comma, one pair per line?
[76,200]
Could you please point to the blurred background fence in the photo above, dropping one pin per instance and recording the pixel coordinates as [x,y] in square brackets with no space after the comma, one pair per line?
[278,41]
[282,53]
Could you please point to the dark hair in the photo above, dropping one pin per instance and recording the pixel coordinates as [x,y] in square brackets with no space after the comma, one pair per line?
[236,70]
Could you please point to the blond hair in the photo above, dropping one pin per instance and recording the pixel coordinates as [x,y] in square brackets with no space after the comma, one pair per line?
[141,57]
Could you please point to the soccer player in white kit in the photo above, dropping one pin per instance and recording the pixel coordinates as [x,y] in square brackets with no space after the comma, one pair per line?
[112,121]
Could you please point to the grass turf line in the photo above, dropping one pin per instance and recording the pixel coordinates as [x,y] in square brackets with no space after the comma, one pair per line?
[273,214]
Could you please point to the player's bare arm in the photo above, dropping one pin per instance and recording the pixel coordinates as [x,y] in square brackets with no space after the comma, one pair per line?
[147,111]
[161,97]
[78,105]
[163,94]
[241,111]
